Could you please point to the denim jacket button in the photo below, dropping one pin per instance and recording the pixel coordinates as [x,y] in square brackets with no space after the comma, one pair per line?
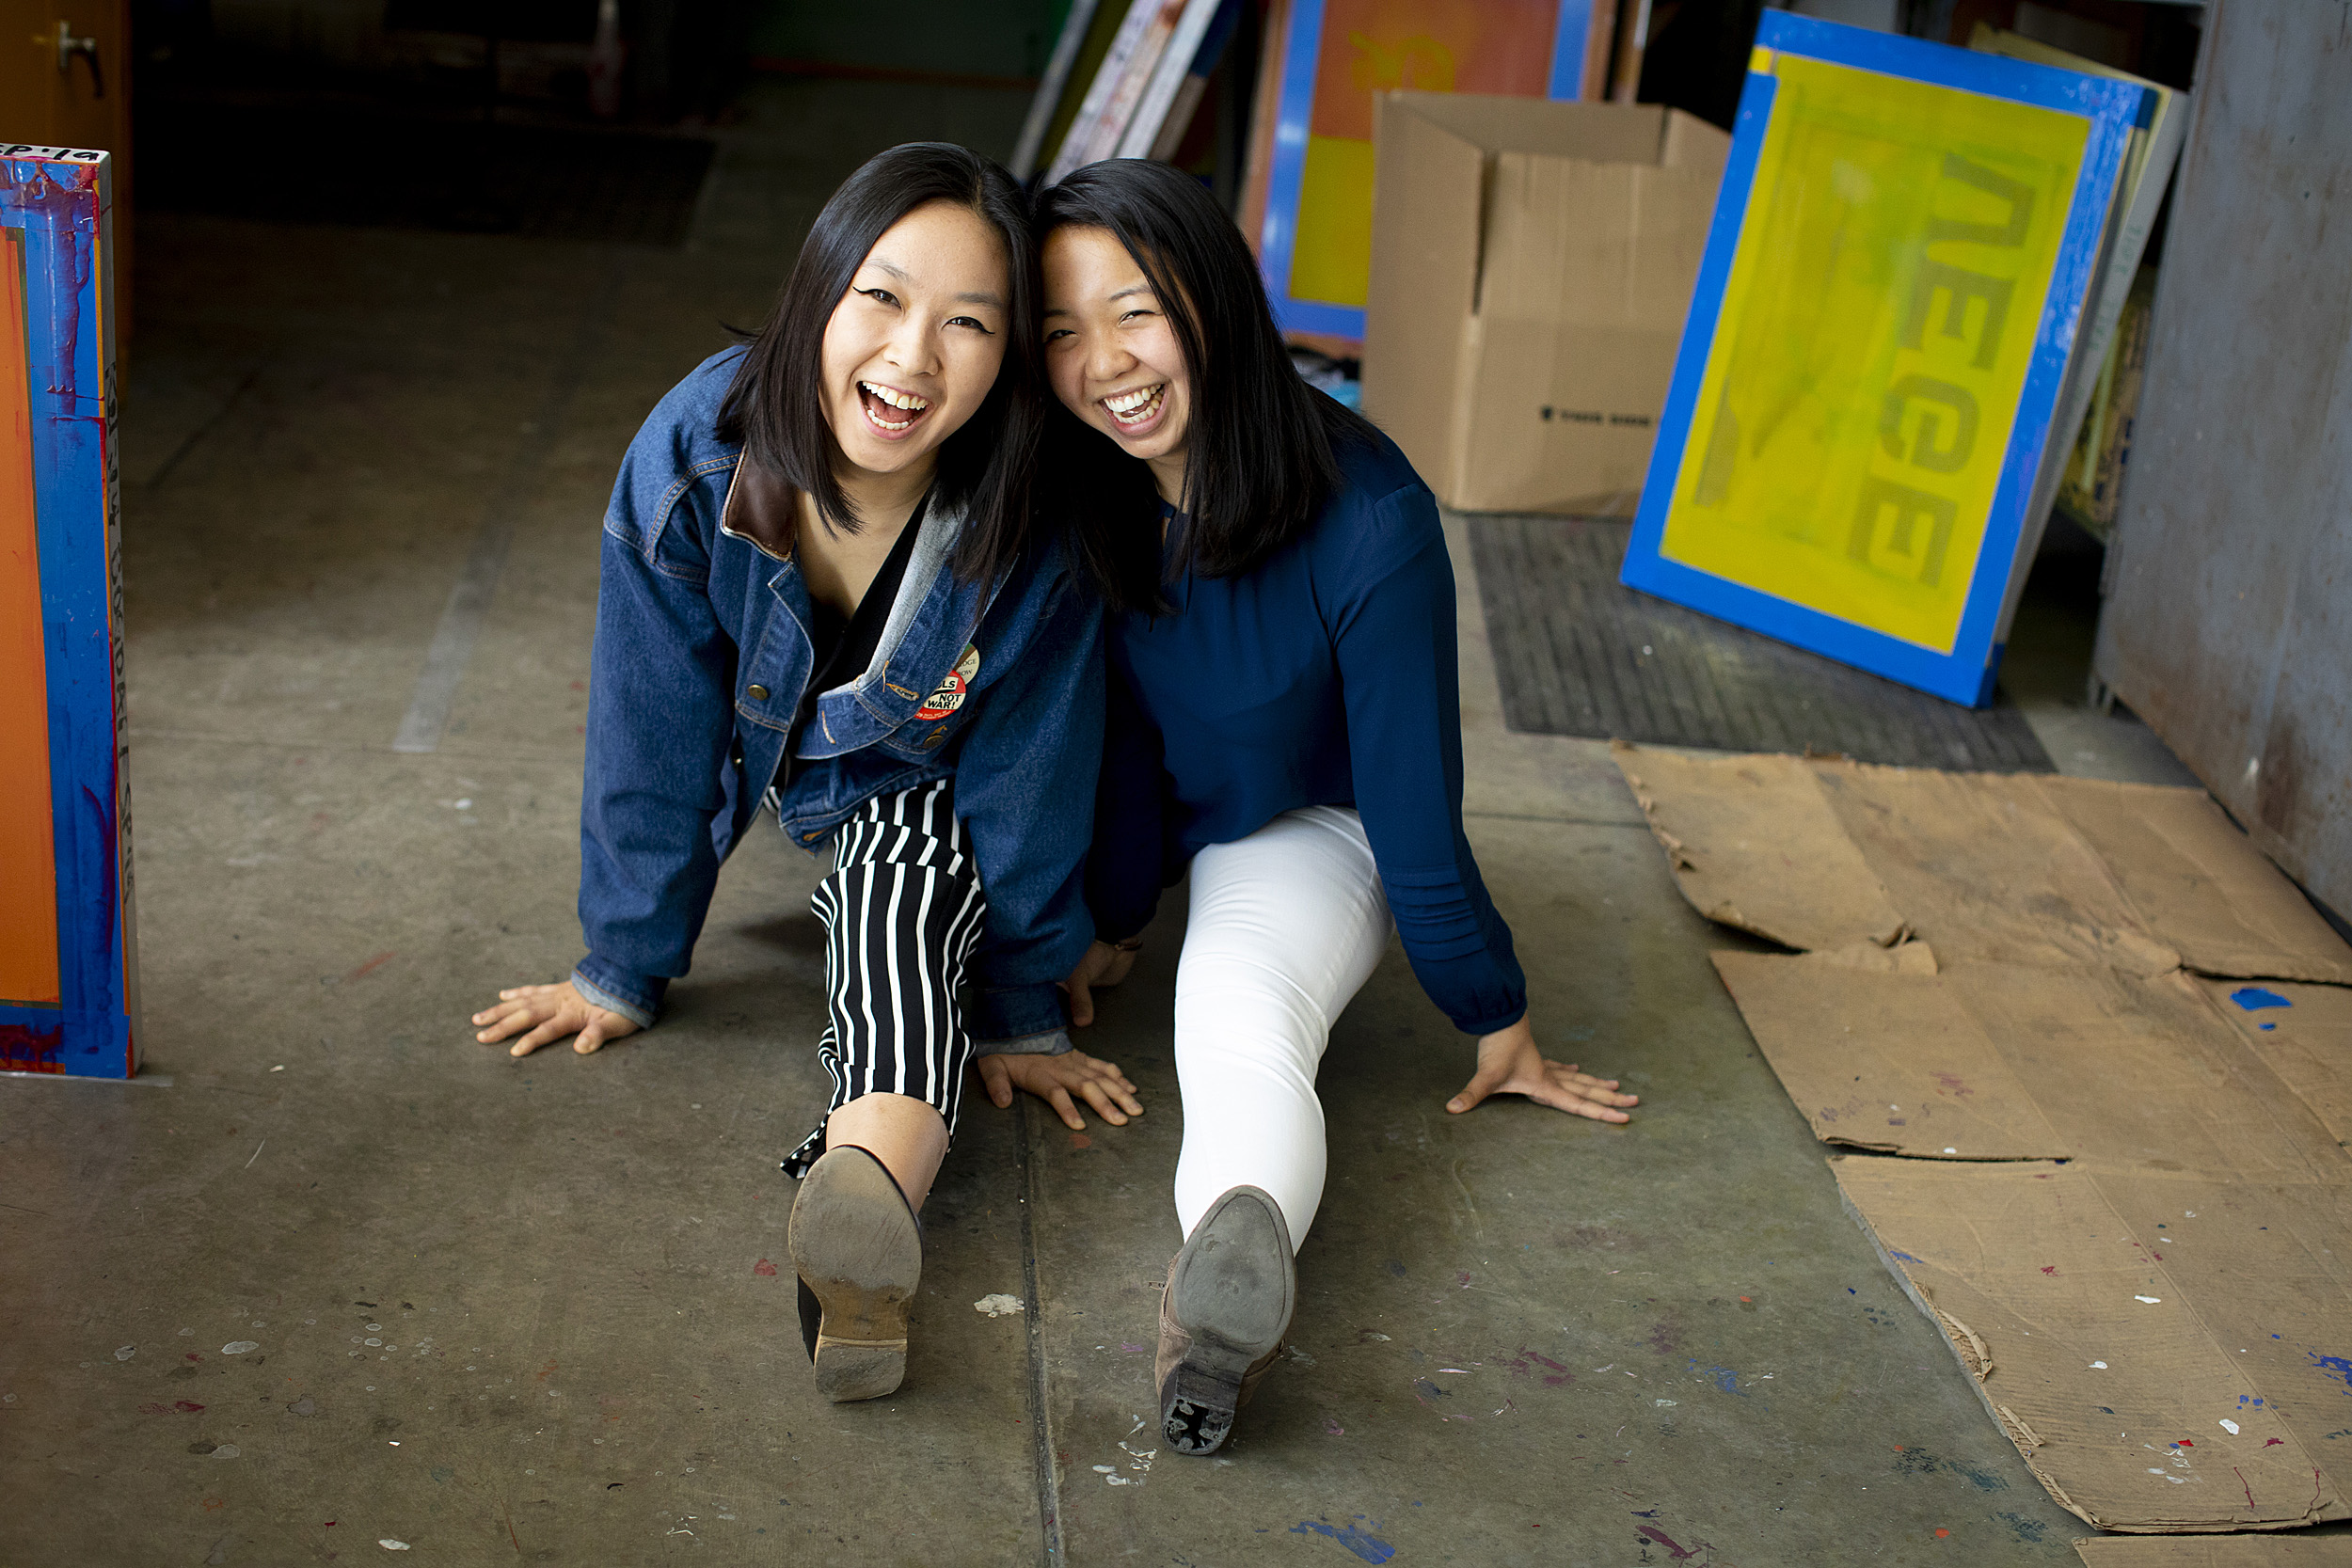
[758,693]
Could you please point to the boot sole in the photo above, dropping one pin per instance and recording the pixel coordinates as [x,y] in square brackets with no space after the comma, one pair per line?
[861,1254]
[1231,1289]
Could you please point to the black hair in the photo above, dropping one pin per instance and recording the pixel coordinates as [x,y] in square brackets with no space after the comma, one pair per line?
[1262,444]
[776,405]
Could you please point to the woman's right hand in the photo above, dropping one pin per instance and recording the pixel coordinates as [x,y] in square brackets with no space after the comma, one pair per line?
[1102,966]
[549,1013]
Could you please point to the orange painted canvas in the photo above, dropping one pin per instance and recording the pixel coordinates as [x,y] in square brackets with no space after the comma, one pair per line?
[29,861]
[1372,46]
[1315,235]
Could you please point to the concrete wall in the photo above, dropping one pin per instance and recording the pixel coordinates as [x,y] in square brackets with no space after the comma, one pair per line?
[2230,624]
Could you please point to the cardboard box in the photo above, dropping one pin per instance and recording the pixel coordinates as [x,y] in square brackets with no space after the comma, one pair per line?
[1530,265]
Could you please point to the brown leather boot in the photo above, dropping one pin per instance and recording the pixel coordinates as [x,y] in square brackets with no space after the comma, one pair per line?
[1228,1303]
[858,1248]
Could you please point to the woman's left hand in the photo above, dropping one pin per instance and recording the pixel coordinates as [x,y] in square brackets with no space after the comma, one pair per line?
[1052,1078]
[1509,1062]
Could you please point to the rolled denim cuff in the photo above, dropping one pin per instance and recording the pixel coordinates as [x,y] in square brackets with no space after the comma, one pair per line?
[635,997]
[1052,1043]
[1015,1012]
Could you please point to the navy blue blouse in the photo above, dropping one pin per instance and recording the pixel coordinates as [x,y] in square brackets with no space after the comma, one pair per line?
[1324,677]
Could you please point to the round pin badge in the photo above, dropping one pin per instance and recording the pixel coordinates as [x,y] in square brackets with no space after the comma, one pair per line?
[952,690]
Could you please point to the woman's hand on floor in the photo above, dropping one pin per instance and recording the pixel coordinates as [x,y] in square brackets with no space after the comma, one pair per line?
[1052,1078]
[549,1013]
[1509,1062]
[1103,967]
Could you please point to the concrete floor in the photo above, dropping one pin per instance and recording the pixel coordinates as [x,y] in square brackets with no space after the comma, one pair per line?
[334,1276]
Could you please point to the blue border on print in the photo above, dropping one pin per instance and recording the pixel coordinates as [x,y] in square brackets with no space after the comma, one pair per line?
[1278,232]
[1572,36]
[1966,675]
[65,251]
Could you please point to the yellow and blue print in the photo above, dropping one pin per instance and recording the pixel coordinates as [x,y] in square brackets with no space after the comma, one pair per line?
[1867,377]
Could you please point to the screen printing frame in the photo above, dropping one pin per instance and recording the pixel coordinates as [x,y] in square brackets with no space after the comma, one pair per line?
[1966,674]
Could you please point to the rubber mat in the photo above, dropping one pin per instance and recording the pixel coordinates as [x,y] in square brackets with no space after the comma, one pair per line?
[1578,653]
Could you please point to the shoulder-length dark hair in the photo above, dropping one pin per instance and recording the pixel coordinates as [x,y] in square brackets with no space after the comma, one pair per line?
[1261,449]
[776,405]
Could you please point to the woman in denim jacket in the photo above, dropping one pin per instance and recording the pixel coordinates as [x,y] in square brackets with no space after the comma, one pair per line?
[821,593]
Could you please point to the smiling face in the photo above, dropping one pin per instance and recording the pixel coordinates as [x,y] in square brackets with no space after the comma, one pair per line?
[1111,354]
[914,348]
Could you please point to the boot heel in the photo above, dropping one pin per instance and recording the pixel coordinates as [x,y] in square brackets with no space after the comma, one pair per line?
[1196,1406]
[1227,1304]
[858,1248]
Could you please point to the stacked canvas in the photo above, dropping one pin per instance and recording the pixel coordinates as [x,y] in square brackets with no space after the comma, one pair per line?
[2091,371]
[1136,73]
[1891,343]
[1127,75]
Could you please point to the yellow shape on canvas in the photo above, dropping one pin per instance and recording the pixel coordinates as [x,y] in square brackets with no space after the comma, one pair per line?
[1874,339]
[1332,258]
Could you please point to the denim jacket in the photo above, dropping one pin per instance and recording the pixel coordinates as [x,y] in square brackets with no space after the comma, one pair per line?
[702,656]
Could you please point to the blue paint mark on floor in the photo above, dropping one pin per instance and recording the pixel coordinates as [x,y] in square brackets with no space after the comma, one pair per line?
[2339,1366]
[1365,1545]
[2253,998]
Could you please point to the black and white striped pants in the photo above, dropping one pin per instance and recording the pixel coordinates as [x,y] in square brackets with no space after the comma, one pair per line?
[903,912]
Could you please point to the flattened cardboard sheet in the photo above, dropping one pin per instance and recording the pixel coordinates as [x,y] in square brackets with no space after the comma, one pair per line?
[2216,1551]
[2002,973]
[2163,1349]
[2199,882]
[1890,1063]
[1754,844]
[1982,868]
[2003,1062]
[2009,868]
[2304,1034]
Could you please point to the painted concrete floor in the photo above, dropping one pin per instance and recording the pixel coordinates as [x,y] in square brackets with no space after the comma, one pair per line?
[335,1277]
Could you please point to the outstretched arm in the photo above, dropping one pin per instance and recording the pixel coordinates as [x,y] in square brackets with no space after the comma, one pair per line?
[1398,651]
[660,722]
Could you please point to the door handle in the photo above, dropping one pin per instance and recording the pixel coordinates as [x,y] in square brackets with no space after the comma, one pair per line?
[67,46]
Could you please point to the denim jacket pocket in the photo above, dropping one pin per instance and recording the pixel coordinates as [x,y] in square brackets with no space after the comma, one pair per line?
[768,684]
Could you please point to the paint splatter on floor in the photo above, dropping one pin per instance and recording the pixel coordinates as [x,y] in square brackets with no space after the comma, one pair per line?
[1356,1538]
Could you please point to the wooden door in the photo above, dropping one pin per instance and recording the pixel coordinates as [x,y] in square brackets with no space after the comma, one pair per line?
[86,104]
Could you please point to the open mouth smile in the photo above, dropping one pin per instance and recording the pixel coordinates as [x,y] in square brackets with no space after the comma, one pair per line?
[1137,409]
[890,411]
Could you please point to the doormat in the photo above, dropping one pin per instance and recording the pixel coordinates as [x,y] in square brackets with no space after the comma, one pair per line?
[1578,653]
[381,171]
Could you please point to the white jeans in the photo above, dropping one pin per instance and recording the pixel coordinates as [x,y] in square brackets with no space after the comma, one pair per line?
[1286,926]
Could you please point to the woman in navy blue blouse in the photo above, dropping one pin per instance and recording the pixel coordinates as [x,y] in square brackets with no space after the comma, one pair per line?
[1285,720]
